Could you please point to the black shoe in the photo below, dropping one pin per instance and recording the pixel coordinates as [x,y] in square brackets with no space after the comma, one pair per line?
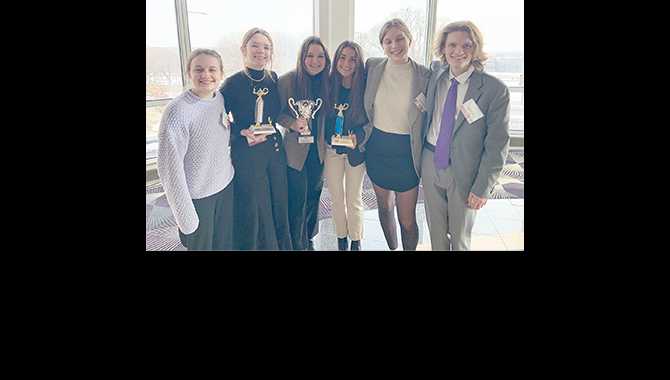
[311,245]
[355,245]
[342,244]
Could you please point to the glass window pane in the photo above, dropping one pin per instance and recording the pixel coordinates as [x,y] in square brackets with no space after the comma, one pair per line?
[154,115]
[163,75]
[372,14]
[501,23]
[220,25]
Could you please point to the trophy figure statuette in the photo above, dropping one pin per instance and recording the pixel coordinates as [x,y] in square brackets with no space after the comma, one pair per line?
[259,128]
[307,110]
[338,139]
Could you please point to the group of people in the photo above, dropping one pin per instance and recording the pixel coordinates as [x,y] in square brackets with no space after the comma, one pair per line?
[400,121]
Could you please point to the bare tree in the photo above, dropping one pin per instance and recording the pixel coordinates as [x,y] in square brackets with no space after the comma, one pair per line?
[286,46]
[162,71]
[415,18]
[229,48]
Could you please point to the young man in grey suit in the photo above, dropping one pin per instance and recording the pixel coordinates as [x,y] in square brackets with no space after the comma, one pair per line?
[467,136]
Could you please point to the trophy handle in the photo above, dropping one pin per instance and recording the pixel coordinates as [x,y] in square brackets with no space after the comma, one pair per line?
[318,105]
[291,104]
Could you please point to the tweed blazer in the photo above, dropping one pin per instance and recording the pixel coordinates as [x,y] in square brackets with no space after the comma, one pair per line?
[478,151]
[374,67]
[296,153]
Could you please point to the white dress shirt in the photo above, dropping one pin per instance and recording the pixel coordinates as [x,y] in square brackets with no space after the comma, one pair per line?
[443,85]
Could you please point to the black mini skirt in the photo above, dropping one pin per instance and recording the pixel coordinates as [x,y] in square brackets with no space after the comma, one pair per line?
[389,161]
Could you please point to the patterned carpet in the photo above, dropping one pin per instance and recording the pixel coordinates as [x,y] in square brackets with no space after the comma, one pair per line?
[162,230]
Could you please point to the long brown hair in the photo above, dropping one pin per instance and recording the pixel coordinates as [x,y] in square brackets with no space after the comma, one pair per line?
[303,83]
[356,111]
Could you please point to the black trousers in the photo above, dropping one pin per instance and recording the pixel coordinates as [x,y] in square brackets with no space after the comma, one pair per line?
[215,229]
[261,205]
[304,191]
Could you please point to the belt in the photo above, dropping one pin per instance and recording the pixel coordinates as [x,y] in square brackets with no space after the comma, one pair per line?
[429,146]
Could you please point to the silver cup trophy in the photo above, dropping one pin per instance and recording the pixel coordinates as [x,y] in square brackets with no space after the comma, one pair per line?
[307,110]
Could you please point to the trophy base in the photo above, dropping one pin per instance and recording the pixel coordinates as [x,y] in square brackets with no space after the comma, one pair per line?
[305,139]
[341,141]
[262,129]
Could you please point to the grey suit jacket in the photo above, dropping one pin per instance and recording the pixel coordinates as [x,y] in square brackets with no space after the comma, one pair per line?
[478,150]
[296,153]
[374,68]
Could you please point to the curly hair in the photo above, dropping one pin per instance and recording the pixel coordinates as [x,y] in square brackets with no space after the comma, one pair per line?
[478,58]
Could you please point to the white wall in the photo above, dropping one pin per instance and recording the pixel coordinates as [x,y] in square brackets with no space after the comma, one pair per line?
[334,22]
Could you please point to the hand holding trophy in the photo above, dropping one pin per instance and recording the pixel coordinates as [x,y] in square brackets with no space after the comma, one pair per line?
[307,110]
[258,128]
[338,139]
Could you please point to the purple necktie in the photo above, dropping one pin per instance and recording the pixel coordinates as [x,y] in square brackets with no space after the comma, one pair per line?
[441,158]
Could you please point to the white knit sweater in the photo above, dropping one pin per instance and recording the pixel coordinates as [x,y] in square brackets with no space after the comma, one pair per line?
[193,156]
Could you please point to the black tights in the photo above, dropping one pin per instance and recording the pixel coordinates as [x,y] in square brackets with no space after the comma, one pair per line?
[406,202]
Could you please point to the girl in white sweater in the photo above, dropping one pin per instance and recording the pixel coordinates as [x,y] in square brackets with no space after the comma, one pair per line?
[194,160]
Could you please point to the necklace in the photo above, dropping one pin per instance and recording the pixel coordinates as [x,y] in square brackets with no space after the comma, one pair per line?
[246,72]
[252,80]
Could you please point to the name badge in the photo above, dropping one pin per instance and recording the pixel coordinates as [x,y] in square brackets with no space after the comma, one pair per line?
[420,102]
[471,111]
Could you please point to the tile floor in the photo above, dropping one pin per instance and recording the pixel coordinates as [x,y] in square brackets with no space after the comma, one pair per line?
[498,227]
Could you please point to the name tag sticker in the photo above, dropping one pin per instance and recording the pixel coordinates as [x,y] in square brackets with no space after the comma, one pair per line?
[471,111]
[420,102]
[252,142]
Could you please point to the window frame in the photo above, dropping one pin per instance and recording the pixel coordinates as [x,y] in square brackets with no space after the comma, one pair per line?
[184,45]
[184,42]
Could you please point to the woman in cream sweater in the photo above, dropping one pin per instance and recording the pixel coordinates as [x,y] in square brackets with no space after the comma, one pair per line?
[395,138]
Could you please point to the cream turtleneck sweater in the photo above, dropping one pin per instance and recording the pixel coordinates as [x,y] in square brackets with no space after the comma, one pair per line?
[392,100]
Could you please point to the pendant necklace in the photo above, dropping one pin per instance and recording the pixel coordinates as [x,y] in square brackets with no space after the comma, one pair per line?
[252,80]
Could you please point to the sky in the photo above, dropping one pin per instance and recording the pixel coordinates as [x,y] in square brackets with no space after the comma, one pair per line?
[223,17]
[500,21]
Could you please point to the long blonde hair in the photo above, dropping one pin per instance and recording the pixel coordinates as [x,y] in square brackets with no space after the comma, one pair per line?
[478,57]
[194,54]
[245,40]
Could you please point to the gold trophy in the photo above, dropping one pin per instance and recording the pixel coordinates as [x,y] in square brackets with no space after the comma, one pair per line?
[258,128]
[338,139]
[307,110]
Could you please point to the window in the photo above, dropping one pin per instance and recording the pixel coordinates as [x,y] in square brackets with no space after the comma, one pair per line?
[501,24]
[372,14]
[163,75]
[220,25]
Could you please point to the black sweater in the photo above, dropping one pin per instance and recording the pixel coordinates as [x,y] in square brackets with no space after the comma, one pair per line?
[239,99]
